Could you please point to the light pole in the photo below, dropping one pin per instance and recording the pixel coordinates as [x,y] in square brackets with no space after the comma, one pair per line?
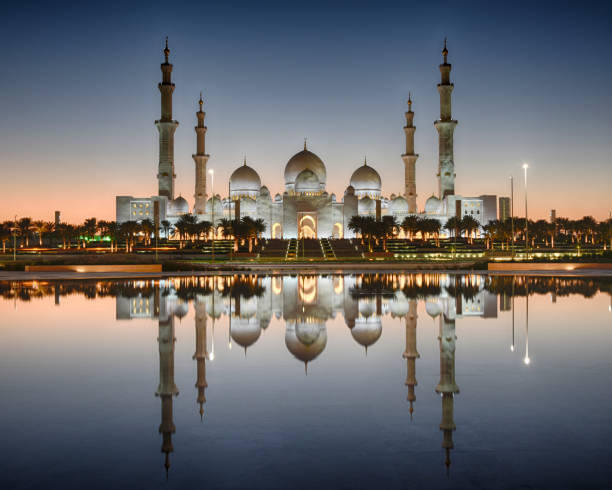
[212,190]
[525,167]
[15,240]
[512,212]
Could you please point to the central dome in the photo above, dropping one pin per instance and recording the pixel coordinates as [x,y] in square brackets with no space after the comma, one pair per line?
[304,160]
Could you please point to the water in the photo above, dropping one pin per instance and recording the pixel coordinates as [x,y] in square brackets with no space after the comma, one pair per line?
[322,382]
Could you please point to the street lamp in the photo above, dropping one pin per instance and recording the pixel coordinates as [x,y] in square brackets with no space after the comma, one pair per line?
[212,190]
[525,167]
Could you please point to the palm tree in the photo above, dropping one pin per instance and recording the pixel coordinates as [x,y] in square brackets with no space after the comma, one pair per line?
[226,225]
[471,226]
[491,232]
[40,227]
[203,228]
[129,230]
[166,226]
[110,229]
[148,227]
[432,226]
[410,226]
[356,225]
[25,227]
[589,227]
[453,225]
[5,233]
[388,228]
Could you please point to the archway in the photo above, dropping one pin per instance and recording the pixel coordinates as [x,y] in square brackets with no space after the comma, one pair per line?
[277,230]
[307,226]
[338,231]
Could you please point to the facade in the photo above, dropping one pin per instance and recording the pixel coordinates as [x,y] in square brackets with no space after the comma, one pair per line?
[305,209]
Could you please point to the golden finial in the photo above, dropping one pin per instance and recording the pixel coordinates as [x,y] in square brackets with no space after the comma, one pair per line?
[304,144]
[166,50]
[245,160]
[200,101]
[409,100]
[445,51]
[365,161]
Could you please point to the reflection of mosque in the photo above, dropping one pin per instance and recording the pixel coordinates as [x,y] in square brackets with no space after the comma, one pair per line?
[306,302]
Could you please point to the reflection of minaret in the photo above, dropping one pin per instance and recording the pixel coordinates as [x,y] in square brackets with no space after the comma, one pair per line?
[166,389]
[411,354]
[200,353]
[447,386]
[446,127]
[527,359]
[166,127]
[410,159]
[200,159]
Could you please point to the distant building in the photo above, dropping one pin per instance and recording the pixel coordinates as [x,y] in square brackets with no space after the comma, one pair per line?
[57,218]
[504,208]
[553,215]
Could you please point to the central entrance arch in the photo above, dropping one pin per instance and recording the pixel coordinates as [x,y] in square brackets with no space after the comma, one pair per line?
[307,225]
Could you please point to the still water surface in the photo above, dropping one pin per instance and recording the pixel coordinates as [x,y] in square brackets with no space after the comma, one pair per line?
[355,381]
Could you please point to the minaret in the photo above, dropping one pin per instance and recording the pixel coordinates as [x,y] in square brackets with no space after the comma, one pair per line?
[410,159]
[447,386]
[445,126]
[411,354]
[167,388]
[200,159]
[200,353]
[166,127]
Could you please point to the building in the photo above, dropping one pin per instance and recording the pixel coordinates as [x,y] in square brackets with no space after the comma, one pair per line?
[504,208]
[305,208]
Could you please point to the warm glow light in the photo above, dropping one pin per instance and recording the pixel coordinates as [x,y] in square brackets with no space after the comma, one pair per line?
[527,361]
[512,348]
[525,166]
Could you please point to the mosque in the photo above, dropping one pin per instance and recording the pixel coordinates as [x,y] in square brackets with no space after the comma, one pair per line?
[305,209]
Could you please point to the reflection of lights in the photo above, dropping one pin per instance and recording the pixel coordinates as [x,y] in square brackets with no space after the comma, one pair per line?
[527,361]
[512,348]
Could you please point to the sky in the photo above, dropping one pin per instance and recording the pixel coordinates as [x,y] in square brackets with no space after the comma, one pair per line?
[79,97]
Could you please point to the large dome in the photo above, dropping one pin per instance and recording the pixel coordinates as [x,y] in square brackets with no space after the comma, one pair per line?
[307,181]
[304,160]
[244,181]
[366,181]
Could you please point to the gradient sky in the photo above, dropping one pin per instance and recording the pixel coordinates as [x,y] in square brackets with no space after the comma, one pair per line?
[79,97]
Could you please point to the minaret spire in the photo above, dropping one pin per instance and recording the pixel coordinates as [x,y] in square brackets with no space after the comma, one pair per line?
[446,127]
[410,158]
[200,159]
[166,127]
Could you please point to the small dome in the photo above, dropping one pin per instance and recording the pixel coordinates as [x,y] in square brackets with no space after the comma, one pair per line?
[366,181]
[178,206]
[307,181]
[333,197]
[304,160]
[365,205]
[432,205]
[263,191]
[245,331]
[244,181]
[367,330]
[278,197]
[218,206]
[399,205]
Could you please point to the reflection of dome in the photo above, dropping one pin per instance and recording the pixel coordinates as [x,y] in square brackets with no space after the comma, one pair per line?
[367,330]
[399,205]
[433,308]
[304,160]
[365,205]
[244,181]
[366,181]
[306,339]
[307,181]
[245,331]
[367,307]
[178,206]
[432,205]
[399,305]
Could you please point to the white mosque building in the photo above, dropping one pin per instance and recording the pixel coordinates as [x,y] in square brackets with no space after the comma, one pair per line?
[305,209]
